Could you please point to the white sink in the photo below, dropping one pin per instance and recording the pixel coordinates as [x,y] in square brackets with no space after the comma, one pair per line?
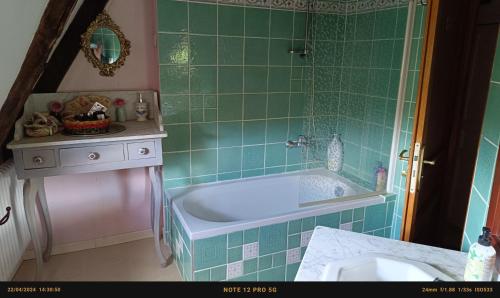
[378,267]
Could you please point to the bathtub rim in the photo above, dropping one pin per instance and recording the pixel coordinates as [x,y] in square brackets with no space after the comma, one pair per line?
[219,228]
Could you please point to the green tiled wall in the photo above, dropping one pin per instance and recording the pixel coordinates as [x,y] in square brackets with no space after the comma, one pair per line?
[227,94]
[368,73]
[485,165]
[410,99]
[268,253]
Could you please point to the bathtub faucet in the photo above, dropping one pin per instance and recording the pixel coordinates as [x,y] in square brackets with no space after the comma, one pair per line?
[301,141]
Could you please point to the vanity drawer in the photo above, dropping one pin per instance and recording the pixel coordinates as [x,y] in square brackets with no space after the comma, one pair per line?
[141,150]
[39,159]
[91,155]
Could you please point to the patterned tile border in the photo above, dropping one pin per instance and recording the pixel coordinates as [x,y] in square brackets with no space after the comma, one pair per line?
[315,6]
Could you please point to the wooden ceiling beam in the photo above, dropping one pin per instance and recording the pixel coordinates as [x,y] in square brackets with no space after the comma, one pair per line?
[69,47]
[50,28]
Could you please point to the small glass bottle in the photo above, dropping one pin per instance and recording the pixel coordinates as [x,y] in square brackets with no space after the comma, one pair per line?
[141,109]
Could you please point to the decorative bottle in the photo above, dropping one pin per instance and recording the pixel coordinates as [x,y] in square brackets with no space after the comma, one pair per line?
[481,259]
[141,109]
[335,154]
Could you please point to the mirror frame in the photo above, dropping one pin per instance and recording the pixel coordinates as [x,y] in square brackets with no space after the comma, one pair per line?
[103,20]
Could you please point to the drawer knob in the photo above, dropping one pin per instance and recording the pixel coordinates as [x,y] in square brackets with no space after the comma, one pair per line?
[143,151]
[93,156]
[38,160]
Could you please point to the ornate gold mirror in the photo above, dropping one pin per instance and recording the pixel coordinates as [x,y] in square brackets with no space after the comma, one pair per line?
[104,45]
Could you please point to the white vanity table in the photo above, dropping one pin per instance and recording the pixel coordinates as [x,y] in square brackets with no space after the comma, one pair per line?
[139,145]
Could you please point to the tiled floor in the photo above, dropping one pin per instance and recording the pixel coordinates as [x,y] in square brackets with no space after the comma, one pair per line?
[132,261]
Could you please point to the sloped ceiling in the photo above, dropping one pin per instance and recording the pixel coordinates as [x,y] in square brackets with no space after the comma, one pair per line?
[18,23]
[19,20]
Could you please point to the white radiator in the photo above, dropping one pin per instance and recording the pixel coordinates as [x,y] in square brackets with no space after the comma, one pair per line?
[14,234]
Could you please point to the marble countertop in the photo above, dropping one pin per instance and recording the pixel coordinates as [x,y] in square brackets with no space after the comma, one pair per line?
[330,245]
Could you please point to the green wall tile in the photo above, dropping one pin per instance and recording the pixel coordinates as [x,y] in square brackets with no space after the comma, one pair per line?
[279,79]
[272,238]
[203,50]
[204,135]
[231,20]
[294,226]
[179,138]
[210,252]
[491,125]
[172,16]
[235,254]
[229,176]
[328,220]
[357,226]
[374,217]
[279,259]
[203,162]
[252,173]
[293,241]
[255,79]
[235,239]
[173,48]
[347,215]
[230,50]
[359,214]
[218,273]
[485,167]
[277,130]
[278,52]
[203,79]
[277,106]
[204,179]
[281,23]
[250,266]
[175,108]
[174,79]
[265,262]
[291,271]
[254,132]
[275,155]
[250,236]
[364,26]
[176,165]
[229,159]
[255,106]
[230,107]
[308,223]
[202,18]
[230,134]
[385,24]
[253,157]
[257,22]
[248,277]
[274,274]
[203,275]
[256,51]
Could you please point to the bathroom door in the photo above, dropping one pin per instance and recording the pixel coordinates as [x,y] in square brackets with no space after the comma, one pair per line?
[457,57]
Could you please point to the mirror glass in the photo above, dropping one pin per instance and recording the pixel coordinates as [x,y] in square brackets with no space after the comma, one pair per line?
[105,45]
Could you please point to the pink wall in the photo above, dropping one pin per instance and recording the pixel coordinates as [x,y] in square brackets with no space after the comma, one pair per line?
[90,206]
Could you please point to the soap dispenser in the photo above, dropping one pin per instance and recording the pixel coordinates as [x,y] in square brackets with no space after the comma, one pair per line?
[481,259]
[141,109]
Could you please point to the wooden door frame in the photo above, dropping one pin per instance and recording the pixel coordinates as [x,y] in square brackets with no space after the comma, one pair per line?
[409,209]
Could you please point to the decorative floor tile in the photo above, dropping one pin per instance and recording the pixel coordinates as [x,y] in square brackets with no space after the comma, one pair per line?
[293,255]
[250,250]
[234,270]
[305,237]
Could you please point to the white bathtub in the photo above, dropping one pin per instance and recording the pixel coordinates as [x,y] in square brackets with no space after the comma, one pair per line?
[224,207]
